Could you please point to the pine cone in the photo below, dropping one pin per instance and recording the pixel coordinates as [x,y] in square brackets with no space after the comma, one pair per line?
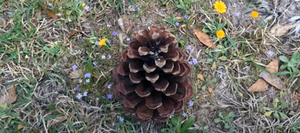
[152,77]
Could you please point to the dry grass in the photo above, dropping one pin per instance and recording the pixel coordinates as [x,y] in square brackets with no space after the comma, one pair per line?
[46,100]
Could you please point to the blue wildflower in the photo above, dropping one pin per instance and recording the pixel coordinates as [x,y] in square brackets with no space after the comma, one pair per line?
[109,96]
[191,103]
[79,96]
[114,33]
[186,16]
[74,67]
[87,75]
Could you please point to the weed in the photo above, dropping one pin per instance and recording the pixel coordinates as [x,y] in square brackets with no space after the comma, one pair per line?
[291,65]
[225,120]
[176,126]
[278,105]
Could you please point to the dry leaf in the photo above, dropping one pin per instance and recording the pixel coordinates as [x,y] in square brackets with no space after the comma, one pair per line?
[73,33]
[20,126]
[200,76]
[279,30]
[204,38]
[273,66]
[210,90]
[51,14]
[75,74]
[274,81]
[10,97]
[261,85]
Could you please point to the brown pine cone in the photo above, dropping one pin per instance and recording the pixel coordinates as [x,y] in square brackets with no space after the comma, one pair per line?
[152,77]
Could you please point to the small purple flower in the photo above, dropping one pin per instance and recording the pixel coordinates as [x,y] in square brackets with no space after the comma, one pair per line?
[109,86]
[109,41]
[193,61]
[184,114]
[262,75]
[237,14]
[79,96]
[121,24]
[95,63]
[186,16]
[103,57]
[109,96]
[188,47]
[270,53]
[87,75]
[84,94]
[74,67]
[177,24]
[114,33]
[164,22]
[276,15]
[86,8]
[154,132]
[80,81]
[76,88]
[49,4]
[109,57]
[87,80]
[191,103]
[135,27]
[121,119]
[127,39]
[97,43]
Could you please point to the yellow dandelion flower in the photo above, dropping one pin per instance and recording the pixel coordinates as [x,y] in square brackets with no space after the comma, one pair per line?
[26,57]
[102,42]
[83,4]
[22,1]
[254,14]
[220,6]
[220,34]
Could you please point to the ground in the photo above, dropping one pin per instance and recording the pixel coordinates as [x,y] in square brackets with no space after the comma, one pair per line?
[63,80]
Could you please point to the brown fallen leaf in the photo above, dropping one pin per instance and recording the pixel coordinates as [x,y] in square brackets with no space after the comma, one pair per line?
[279,30]
[204,38]
[200,76]
[273,66]
[210,90]
[20,126]
[274,81]
[10,97]
[75,74]
[51,14]
[261,85]
[73,33]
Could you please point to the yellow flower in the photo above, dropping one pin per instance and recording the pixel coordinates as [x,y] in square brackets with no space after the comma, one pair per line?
[220,34]
[220,6]
[26,57]
[254,14]
[102,42]
[83,4]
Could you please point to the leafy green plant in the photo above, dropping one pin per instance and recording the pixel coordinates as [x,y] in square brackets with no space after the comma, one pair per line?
[276,109]
[278,105]
[181,4]
[225,120]
[176,126]
[291,65]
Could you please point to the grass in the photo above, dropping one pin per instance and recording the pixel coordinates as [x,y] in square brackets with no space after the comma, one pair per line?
[38,56]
